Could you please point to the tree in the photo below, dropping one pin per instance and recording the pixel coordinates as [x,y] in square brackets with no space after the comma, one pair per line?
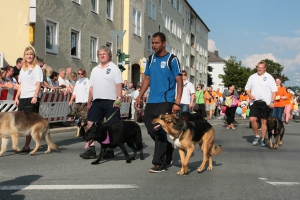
[209,80]
[235,73]
[275,69]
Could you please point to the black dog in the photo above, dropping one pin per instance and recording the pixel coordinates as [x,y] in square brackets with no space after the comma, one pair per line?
[276,128]
[119,133]
[187,116]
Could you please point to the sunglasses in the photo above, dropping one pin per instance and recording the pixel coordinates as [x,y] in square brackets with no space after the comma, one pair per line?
[80,73]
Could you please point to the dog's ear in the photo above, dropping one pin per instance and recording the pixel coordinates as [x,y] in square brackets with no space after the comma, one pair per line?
[174,119]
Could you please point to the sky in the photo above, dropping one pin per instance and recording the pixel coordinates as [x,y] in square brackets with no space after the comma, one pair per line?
[254,30]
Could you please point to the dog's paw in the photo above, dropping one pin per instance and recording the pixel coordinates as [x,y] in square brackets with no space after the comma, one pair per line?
[128,161]
[47,152]
[132,158]
[95,163]
[209,168]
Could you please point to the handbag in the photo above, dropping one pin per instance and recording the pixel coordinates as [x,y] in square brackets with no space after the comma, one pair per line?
[231,101]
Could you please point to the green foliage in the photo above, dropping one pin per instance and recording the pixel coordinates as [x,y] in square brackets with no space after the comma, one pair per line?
[209,79]
[238,75]
[275,69]
[235,73]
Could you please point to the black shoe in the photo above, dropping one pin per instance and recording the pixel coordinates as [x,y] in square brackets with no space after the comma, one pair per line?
[24,150]
[169,158]
[158,168]
[88,154]
[109,153]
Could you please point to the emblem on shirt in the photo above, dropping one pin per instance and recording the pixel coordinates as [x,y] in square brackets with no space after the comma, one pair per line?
[108,70]
[30,71]
[265,78]
[163,64]
[84,82]
[154,60]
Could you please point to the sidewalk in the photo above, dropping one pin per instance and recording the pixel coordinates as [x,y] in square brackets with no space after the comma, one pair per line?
[60,127]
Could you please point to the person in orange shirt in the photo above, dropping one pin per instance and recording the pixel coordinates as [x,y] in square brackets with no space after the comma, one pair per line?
[288,105]
[279,103]
[210,99]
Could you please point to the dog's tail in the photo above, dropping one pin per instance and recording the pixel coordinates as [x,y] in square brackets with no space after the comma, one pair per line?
[49,141]
[216,150]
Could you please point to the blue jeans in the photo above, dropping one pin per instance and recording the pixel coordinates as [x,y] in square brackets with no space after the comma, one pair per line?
[277,112]
[183,108]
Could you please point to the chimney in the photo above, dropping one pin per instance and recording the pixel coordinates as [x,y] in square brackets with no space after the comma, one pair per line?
[216,53]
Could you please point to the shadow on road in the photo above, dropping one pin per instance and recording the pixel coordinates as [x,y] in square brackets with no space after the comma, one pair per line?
[23,180]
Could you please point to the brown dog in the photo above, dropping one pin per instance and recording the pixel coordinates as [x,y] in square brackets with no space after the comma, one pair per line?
[13,124]
[186,134]
[275,128]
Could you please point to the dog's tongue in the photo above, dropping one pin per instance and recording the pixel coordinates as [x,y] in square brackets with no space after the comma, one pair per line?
[157,126]
[273,131]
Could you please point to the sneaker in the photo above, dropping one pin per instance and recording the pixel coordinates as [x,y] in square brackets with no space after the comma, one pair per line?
[157,169]
[88,154]
[255,142]
[109,153]
[169,158]
[262,143]
[228,127]
[232,126]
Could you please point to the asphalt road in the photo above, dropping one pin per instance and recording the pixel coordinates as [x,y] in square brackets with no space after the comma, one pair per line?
[241,171]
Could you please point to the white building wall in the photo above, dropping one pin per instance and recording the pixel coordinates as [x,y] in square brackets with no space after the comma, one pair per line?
[218,68]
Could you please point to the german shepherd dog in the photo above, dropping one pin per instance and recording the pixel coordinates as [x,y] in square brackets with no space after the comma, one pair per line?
[185,135]
[119,133]
[14,124]
[275,128]
[79,116]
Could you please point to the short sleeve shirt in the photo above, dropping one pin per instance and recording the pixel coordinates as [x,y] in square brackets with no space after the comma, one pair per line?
[29,79]
[104,80]
[188,89]
[81,90]
[162,78]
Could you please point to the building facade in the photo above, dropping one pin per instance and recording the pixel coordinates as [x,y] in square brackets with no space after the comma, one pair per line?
[217,64]
[69,32]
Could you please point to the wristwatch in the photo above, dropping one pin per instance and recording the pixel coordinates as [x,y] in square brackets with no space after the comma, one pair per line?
[119,98]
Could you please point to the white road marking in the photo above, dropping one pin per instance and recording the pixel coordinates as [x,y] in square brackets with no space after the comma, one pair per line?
[66,187]
[283,183]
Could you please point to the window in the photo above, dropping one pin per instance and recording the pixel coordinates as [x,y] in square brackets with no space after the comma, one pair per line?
[188,16]
[171,25]
[136,22]
[159,28]
[152,10]
[179,6]
[160,6]
[167,22]
[75,43]
[149,43]
[94,6]
[93,48]
[109,9]
[76,1]
[51,37]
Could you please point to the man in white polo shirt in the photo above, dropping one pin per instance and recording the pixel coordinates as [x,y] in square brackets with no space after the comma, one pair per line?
[261,89]
[188,94]
[105,92]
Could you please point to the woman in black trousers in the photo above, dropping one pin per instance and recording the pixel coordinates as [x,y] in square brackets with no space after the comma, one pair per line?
[230,111]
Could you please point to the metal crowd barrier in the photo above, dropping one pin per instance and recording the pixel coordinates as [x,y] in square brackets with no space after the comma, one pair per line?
[54,106]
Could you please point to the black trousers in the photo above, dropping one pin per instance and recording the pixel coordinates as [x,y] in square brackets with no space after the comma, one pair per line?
[230,114]
[162,145]
[26,105]
[202,110]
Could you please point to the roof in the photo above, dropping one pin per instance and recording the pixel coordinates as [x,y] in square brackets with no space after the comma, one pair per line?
[213,57]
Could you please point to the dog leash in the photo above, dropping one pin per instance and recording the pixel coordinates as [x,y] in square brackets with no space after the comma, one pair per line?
[112,114]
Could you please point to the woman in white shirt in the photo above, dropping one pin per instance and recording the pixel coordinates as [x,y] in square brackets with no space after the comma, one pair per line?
[30,80]
[81,90]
